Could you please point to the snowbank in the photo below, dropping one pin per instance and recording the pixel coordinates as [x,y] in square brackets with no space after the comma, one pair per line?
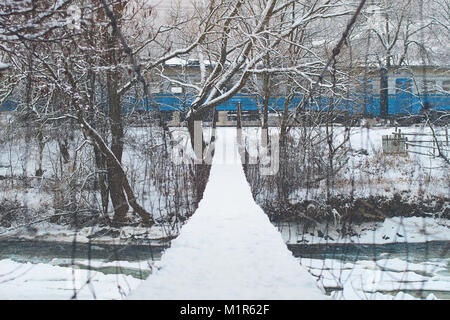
[19,281]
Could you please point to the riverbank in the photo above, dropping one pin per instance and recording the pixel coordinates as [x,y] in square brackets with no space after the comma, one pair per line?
[390,230]
[157,235]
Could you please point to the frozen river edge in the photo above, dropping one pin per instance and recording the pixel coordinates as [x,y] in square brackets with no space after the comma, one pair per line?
[391,230]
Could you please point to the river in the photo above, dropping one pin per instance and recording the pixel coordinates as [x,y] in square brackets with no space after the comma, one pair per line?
[99,257]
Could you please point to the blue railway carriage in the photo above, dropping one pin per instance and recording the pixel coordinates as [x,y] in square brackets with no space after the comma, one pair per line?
[411,91]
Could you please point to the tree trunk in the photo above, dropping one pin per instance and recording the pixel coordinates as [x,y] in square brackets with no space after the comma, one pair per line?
[282,172]
[116,191]
[41,146]
[265,110]
[113,161]
[100,163]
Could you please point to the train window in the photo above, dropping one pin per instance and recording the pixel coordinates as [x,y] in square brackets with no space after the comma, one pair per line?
[403,86]
[398,87]
[446,86]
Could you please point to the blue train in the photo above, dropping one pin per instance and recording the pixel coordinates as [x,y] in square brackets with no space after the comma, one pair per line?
[404,98]
[410,91]
[399,104]
[369,105]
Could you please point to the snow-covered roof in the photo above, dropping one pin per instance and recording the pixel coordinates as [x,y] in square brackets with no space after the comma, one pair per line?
[176,61]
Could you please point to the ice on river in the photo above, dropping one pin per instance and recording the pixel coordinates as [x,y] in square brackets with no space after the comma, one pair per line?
[381,279]
[20,281]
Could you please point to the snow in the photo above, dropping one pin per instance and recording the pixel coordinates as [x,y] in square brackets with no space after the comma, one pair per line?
[375,173]
[367,279]
[17,157]
[23,281]
[228,249]
[176,61]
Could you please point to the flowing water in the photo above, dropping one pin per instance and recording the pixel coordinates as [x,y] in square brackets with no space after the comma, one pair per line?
[411,252]
[81,255]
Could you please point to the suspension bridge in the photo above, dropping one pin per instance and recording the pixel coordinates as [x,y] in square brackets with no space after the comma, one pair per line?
[228,249]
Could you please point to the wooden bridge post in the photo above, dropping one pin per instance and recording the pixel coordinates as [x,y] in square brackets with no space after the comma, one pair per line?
[241,143]
[214,116]
[175,122]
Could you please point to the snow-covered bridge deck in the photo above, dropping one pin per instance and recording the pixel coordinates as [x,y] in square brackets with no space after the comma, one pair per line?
[228,249]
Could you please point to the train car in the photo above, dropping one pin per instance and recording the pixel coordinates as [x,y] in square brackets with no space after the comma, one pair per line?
[411,91]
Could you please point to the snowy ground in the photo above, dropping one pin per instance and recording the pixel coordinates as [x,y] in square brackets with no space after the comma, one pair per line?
[370,172]
[374,174]
[228,249]
[420,175]
[42,195]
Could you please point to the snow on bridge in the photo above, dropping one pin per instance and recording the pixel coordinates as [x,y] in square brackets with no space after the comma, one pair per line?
[228,249]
